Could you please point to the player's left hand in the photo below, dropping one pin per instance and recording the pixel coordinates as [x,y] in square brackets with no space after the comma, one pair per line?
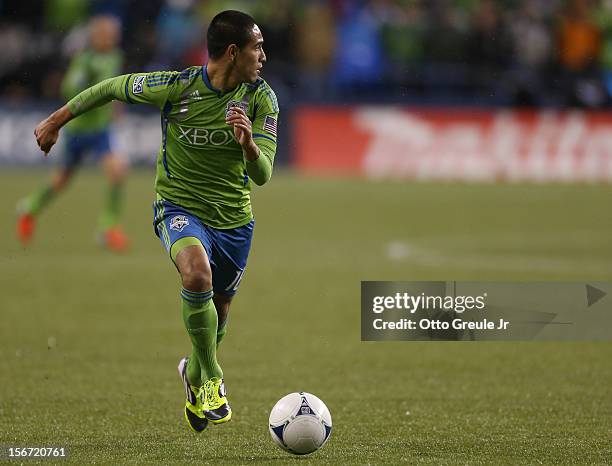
[243,128]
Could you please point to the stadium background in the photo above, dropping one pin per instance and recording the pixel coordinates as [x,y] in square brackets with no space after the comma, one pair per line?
[419,140]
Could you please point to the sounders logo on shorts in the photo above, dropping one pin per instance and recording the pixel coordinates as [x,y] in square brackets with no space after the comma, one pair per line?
[179,222]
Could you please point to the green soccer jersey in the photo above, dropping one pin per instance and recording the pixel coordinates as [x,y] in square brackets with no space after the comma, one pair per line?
[200,165]
[86,69]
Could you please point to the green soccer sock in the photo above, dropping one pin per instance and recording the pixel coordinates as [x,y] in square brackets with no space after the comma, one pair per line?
[221,331]
[200,318]
[112,209]
[193,367]
[38,200]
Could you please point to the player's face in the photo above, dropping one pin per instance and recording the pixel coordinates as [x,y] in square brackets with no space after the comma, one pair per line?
[251,57]
[105,33]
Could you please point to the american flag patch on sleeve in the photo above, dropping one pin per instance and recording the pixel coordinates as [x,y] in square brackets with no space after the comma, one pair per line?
[270,125]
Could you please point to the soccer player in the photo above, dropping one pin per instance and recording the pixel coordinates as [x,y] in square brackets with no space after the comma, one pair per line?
[89,134]
[219,125]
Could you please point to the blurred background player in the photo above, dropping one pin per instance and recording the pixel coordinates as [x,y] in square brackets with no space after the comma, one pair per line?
[90,134]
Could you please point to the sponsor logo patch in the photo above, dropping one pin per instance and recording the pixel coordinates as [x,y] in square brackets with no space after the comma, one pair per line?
[205,136]
[137,84]
[179,222]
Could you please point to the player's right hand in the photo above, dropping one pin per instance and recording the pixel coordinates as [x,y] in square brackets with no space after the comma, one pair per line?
[46,134]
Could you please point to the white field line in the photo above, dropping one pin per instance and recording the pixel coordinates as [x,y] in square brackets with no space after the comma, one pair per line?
[427,256]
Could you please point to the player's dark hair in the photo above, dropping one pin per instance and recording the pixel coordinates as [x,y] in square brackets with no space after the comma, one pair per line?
[228,27]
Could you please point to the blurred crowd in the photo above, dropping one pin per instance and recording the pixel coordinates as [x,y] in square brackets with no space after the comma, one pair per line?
[482,52]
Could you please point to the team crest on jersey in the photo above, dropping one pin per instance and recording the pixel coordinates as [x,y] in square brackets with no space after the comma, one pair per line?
[235,103]
[179,222]
[137,84]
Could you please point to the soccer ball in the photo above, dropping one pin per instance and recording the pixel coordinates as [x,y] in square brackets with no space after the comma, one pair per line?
[300,423]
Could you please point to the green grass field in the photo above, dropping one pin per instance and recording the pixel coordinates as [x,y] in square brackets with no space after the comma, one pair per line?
[89,341]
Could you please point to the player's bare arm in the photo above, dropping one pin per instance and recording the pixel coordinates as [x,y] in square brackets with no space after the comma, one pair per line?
[243,132]
[47,131]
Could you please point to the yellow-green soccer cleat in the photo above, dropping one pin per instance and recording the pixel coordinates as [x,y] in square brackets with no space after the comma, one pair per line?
[215,406]
[193,406]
